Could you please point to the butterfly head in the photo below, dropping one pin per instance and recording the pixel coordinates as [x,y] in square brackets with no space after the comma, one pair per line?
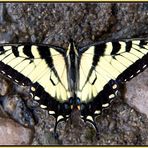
[72,48]
[74,103]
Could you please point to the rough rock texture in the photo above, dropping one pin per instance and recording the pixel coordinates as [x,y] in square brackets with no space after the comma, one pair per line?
[55,23]
[137,92]
[11,133]
[15,107]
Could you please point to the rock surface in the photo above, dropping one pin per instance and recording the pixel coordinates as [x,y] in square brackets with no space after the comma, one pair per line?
[11,133]
[137,93]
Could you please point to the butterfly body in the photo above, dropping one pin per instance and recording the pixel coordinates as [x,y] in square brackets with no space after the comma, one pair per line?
[65,80]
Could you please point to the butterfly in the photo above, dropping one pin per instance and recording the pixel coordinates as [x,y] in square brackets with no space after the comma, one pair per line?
[74,79]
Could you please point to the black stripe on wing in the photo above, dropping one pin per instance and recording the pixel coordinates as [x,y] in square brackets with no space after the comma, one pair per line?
[116,47]
[15,51]
[98,52]
[132,71]
[45,54]
[14,75]
[27,51]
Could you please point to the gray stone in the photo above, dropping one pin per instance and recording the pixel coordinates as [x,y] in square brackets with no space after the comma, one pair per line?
[137,93]
[12,133]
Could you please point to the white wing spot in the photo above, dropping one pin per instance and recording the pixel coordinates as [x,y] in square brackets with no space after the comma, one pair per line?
[51,112]
[116,92]
[59,117]
[89,118]
[32,88]
[43,106]
[105,105]
[114,86]
[131,76]
[111,96]
[16,81]
[9,76]
[138,71]
[82,116]
[97,112]
[31,95]
[2,72]
[144,66]
[36,98]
